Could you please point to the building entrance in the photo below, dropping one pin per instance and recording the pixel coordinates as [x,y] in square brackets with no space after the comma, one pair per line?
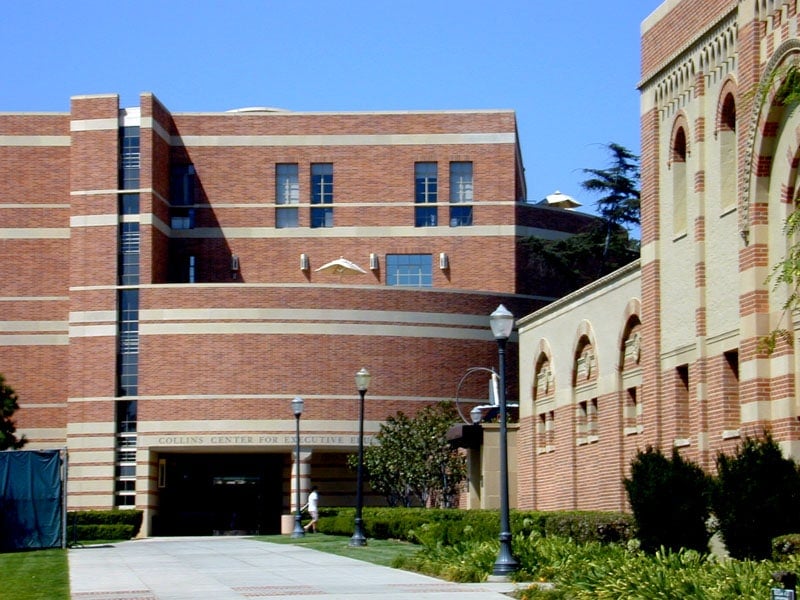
[219,494]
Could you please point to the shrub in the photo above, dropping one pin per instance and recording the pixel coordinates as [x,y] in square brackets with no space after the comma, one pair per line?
[786,545]
[452,526]
[755,497]
[87,525]
[670,501]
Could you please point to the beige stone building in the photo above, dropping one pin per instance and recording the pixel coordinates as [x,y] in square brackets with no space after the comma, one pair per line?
[666,353]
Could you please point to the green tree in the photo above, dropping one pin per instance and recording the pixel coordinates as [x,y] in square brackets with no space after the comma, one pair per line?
[755,497]
[619,187]
[557,267]
[8,405]
[412,462]
[670,501]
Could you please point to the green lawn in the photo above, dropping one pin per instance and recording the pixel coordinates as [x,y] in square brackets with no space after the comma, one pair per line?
[35,575]
[379,552]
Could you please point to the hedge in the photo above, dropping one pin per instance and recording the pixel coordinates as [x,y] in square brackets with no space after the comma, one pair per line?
[87,525]
[453,525]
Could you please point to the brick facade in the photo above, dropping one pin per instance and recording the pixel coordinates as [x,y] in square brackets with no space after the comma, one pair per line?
[148,371]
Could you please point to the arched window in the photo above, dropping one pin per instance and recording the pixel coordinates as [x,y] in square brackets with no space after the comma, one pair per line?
[728,154]
[585,387]
[679,183]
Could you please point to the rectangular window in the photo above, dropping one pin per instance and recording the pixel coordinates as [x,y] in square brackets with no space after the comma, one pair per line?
[409,270]
[129,204]
[129,253]
[460,194]
[322,193]
[128,353]
[322,217]
[287,193]
[460,216]
[426,191]
[182,218]
[182,185]
[681,403]
[460,182]
[130,158]
[322,183]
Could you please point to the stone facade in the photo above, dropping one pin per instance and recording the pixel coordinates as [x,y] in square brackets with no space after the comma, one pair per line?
[719,167]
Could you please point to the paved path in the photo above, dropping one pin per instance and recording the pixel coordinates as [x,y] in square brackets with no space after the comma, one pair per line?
[227,568]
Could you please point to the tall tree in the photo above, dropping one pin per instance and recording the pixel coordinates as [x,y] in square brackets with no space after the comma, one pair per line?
[8,406]
[561,266]
[412,462]
[618,186]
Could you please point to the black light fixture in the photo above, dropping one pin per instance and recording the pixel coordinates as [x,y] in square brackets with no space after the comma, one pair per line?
[297,409]
[362,384]
[502,323]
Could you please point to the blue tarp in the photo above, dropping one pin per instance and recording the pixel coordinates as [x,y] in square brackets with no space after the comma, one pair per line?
[31,501]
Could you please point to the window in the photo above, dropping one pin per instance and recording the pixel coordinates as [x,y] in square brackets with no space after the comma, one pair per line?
[322,193]
[182,185]
[287,192]
[681,404]
[322,183]
[129,204]
[679,184]
[129,253]
[130,157]
[632,412]
[128,359]
[426,191]
[460,216]
[460,182]
[460,193]
[409,270]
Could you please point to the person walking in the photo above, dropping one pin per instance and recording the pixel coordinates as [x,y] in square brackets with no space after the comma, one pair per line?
[313,509]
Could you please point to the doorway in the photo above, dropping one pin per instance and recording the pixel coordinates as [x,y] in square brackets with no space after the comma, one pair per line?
[219,494]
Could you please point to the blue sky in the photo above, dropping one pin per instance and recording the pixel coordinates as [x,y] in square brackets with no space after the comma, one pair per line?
[569,69]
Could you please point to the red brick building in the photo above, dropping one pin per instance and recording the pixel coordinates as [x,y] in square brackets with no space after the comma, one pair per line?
[667,352]
[163,301]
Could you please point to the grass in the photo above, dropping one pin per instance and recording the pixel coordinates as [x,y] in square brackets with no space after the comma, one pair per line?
[378,552]
[36,575]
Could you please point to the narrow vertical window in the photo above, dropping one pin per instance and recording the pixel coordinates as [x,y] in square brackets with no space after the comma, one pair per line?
[679,184]
[130,158]
[287,195]
[681,401]
[322,193]
[426,192]
[129,250]
[460,194]
[730,390]
[728,154]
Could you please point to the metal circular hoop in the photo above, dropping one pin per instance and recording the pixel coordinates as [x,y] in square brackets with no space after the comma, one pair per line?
[464,377]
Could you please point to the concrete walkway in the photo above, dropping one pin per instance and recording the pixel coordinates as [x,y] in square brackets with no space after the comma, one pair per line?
[227,568]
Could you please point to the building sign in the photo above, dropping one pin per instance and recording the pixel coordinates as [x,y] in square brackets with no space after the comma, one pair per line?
[252,439]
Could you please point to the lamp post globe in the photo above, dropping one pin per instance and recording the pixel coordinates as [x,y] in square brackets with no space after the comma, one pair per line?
[297,409]
[359,536]
[502,323]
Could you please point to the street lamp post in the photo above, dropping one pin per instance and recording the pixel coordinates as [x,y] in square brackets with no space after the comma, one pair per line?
[502,323]
[362,384]
[297,409]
